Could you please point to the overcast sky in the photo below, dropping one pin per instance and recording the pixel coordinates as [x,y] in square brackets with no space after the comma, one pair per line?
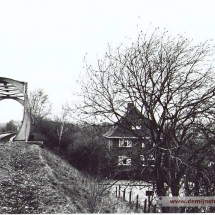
[43,42]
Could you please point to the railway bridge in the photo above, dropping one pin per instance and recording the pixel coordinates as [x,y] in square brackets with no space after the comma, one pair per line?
[18,91]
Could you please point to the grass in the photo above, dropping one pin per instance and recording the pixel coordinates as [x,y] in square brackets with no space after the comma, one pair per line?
[34,180]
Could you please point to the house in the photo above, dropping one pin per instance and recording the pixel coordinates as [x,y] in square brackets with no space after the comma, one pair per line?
[130,147]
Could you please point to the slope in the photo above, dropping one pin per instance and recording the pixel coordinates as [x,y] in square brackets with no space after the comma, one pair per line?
[34,180]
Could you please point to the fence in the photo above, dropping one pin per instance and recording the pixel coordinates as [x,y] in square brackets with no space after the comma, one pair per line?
[144,201]
[141,199]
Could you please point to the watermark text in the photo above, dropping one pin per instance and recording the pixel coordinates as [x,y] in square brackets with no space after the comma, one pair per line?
[188,201]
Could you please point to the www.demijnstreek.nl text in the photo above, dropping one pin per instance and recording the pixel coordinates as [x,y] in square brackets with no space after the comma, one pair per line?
[197,201]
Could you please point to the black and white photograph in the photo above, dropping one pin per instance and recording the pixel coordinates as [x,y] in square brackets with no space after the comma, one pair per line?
[107,106]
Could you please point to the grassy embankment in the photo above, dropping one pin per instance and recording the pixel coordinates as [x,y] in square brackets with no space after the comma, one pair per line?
[34,180]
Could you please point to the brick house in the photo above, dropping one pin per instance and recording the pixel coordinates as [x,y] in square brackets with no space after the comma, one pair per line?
[129,146]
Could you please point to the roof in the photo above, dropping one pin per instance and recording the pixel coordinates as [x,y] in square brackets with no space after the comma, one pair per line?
[126,126]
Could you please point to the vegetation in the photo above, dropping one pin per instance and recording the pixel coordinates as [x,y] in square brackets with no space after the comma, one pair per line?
[40,105]
[10,126]
[34,180]
[171,80]
[82,146]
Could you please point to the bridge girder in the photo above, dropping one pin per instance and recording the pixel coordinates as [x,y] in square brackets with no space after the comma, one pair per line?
[17,90]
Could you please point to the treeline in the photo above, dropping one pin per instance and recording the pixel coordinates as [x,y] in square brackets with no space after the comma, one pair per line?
[11,126]
[83,146]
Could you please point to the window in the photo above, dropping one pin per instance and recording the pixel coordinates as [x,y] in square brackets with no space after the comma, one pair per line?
[125,143]
[137,124]
[151,160]
[124,161]
[143,160]
[137,127]
[211,163]
[147,160]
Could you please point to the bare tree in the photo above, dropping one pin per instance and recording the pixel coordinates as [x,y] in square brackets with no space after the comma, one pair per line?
[61,122]
[40,104]
[171,81]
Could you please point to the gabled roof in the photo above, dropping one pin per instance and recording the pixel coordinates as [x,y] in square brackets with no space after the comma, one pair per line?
[131,119]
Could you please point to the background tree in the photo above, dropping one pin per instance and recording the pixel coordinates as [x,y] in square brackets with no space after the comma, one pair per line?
[56,133]
[3,128]
[171,81]
[88,150]
[40,110]
[40,104]
[11,126]
[61,125]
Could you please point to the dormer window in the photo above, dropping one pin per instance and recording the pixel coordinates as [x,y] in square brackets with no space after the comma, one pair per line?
[137,127]
[124,161]
[125,143]
[136,124]
[211,164]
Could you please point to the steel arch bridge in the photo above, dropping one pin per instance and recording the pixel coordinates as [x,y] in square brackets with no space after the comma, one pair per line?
[17,90]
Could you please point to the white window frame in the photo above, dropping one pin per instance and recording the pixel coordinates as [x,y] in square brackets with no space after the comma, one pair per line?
[125,143]
[211,163]
[146,161]
[143,160]
[135,127]
[124,161]
[151,158]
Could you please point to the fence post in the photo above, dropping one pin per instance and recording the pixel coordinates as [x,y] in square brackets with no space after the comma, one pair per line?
[154,209]
[119,191]
[137,201]
[130,196]
[149,203]
[124,194]
[116,191]
[145,203]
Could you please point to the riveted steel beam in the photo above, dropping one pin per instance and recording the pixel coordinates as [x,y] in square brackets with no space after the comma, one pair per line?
[17,90]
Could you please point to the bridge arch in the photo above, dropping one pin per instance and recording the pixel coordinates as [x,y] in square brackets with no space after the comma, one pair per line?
[17,90]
